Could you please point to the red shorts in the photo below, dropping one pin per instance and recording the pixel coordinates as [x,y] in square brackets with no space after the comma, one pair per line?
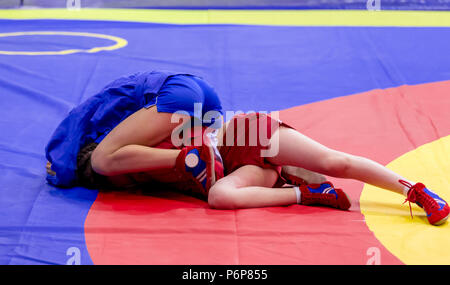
[246,140]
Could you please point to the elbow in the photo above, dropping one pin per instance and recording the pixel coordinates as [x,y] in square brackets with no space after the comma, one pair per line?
[101,164]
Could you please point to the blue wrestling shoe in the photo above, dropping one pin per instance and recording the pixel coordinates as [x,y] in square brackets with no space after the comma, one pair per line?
[324,194]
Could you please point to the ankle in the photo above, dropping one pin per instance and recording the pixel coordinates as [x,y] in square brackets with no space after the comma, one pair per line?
[407,186]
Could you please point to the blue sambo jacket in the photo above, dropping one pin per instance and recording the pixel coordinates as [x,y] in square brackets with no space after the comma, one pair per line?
[95,117]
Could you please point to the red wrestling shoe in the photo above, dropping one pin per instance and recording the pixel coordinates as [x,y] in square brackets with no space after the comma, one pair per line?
[293,179]
[324,194]
[203,163]
[299,176]
[436,208]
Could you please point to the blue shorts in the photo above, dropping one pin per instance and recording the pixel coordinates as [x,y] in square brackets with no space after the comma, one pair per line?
[188,94]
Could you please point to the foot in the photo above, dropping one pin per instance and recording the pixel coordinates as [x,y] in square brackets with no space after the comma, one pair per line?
[436,208]
[324,194]
[205,165]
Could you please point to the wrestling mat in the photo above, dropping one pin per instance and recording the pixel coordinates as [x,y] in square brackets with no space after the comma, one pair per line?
[375,84]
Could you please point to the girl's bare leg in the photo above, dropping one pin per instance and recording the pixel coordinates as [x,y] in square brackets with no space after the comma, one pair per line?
[296,149]
[250,186]
[127,148]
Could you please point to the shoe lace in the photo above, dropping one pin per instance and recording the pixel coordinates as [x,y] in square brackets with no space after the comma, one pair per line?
[411,197]
[414,195]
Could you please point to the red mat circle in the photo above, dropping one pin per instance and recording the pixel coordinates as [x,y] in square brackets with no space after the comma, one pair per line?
[170,228]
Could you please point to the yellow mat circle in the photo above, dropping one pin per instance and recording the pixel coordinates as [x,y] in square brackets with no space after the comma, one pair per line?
[118,42]
[413,241]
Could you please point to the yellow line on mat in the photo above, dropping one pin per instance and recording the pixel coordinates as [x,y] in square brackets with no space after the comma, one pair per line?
[244,17]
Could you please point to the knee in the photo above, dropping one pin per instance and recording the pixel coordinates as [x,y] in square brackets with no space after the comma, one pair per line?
[220,197]
[337,164]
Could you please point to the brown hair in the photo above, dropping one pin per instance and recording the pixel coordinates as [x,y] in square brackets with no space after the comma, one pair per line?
[87,177]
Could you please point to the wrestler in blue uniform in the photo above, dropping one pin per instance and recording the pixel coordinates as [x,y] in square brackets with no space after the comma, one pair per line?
[92,120]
